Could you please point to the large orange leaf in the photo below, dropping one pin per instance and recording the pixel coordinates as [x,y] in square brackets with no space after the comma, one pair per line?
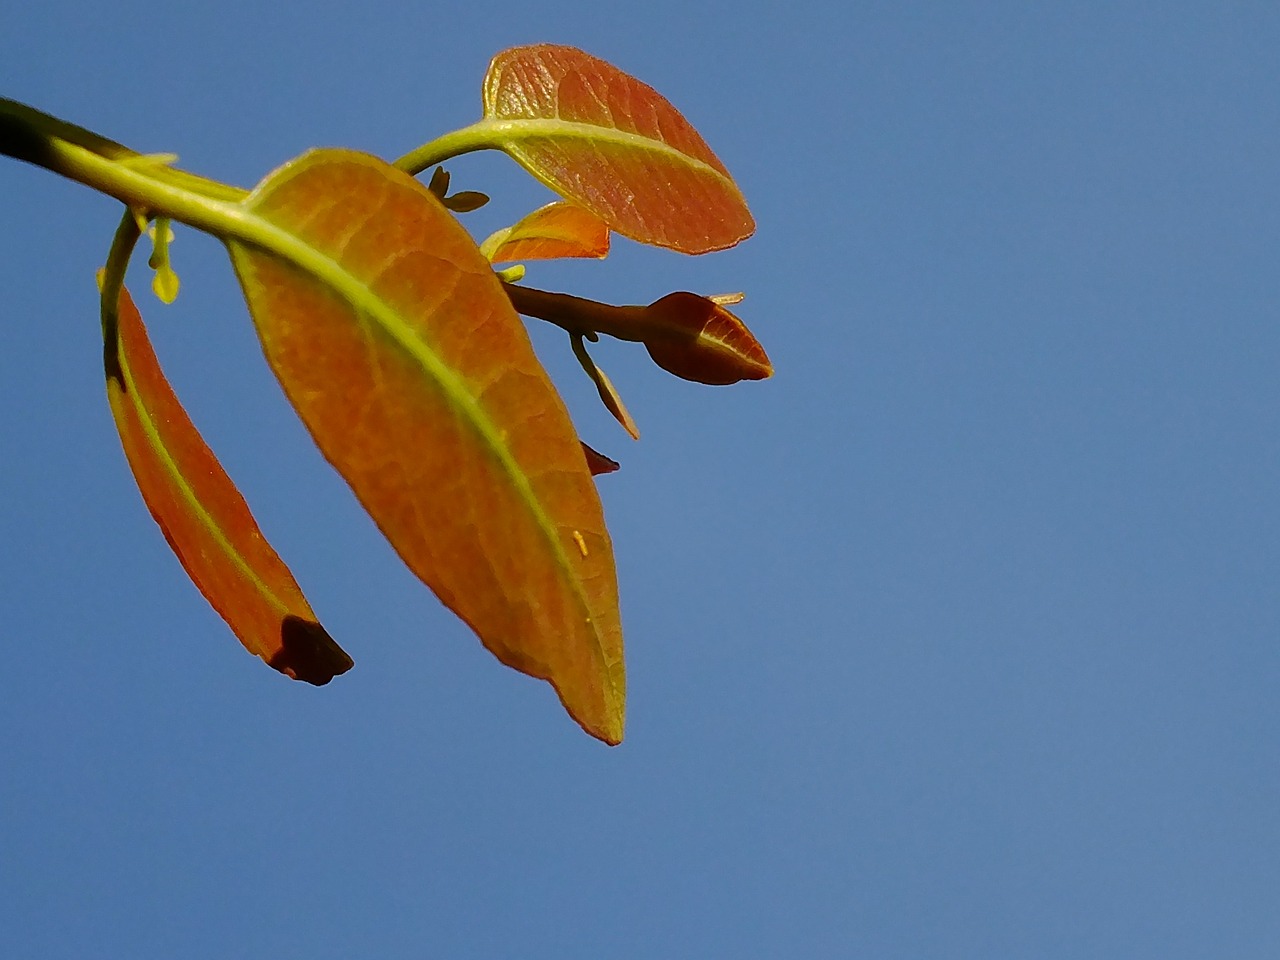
[203,516]
[395,343]
[614,145]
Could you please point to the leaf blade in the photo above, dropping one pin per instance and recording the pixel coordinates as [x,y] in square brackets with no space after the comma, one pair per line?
[557,230]
[205,519]
[402,355]
[614,145]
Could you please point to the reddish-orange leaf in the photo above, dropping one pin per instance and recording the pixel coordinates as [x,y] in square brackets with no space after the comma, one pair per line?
[605,140]
[204,518]
[698,339]
[395,343]
[557,230]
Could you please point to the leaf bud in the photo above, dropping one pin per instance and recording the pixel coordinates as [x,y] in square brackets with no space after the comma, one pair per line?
[697,339]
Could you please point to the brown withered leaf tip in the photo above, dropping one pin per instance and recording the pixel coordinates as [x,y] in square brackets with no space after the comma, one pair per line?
[308,653]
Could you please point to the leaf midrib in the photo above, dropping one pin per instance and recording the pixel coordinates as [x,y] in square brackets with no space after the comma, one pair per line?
[508,131]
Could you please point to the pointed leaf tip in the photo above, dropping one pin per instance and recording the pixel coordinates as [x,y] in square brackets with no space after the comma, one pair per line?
[205,519]
[614,145]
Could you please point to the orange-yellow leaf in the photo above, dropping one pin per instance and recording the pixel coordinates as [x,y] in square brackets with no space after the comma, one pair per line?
[205,519]
[698,339]
[614,145]
[559,229]
[395,343]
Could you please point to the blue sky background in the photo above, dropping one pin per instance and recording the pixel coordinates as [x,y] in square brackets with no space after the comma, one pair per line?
[958,638]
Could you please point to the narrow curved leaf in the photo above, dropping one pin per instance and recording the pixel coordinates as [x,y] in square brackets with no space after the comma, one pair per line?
[557,230]
[205,519]
[614,145]
[608,393]
[395,343]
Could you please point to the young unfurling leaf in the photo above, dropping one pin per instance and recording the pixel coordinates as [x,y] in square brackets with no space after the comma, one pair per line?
[464,201]
[697,339]
[439,183]
[396,345]
[202,514]
[165,283]
[557,230]
[614,145]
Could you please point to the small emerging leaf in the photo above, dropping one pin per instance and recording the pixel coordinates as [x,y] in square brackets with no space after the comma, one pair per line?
[203,516]
[439,184]
[165,281]
[399,350]
[557,230]
[465,201]
[698,339]
[609,396]
[614,145]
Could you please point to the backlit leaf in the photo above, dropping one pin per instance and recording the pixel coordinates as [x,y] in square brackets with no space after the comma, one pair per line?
[395,343]
[559,229]
[614,145]
[205,519]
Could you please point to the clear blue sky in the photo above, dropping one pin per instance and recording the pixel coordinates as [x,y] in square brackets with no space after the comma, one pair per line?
[958,638]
